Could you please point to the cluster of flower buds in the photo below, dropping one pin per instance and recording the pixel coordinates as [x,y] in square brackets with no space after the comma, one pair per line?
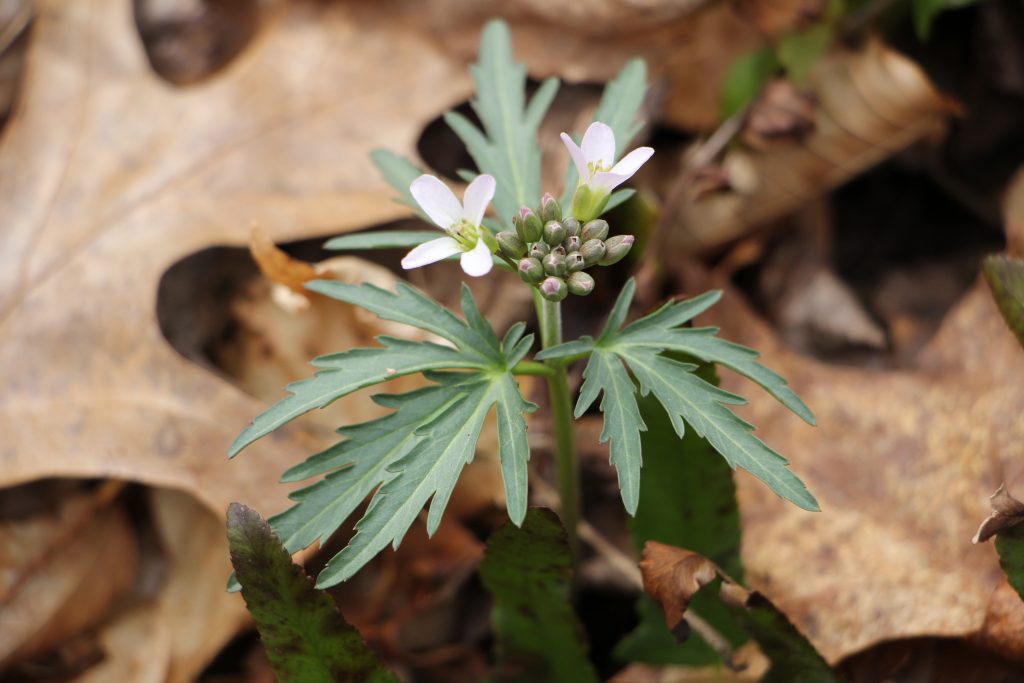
[554,251]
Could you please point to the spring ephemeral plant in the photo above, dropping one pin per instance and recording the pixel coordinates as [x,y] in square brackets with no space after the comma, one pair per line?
[414,455]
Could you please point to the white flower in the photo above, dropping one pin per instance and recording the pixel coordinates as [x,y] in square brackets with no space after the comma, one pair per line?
[594,160]
[460,220]
[599,175]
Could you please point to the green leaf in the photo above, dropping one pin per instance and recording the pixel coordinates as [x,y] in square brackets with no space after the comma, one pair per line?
[1010,546]
[1005,277]
[305,637]
[416,453]
[925,12]
[409,306]
[686,397]
[399,172]
[793,658]
[619,110]
[800,52]
[528,571]
[383,239]
[622,422]
[360,465]
[687,499]
[431,466]
[745,78]
[506,148]
[350,371]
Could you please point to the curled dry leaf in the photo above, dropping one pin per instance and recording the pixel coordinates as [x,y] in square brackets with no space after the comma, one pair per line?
[672,576]
[1007,512]
[891,558]
[782,113]
[872,103]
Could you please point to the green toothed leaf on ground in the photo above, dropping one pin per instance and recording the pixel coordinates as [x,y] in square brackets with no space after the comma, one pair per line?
[305,637]
[528,571]
[1005,277]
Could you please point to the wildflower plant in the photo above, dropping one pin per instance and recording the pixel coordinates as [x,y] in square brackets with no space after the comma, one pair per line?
[413,456]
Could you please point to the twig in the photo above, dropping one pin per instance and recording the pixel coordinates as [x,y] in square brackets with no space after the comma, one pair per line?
[628,569]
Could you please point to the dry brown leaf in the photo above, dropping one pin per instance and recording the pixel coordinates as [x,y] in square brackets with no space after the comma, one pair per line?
[872,103]
[672,576]
[126,175]
[781,114]
[136,648]
[900,462]
[82,560]
[1007,512]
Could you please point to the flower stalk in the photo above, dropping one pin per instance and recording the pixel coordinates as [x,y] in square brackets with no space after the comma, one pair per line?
[549,315]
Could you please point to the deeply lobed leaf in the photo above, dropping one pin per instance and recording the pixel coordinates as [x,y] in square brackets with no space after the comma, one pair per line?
[416,453]
[687,399]
[507,147]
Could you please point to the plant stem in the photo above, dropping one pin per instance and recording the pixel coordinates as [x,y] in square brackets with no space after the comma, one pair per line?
[550,316]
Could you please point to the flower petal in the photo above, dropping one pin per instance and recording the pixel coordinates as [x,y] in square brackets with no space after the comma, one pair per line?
[632,162]
[607,181]
[599,144]
[478,195]
[577,156]
[431,252]
[477,261]
[436,200]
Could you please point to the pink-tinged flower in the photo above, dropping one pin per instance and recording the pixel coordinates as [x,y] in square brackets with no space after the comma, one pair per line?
[461,220]
[599,175]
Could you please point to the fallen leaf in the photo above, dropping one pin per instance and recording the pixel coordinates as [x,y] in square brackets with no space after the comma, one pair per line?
[888,554]
[1007,512]
[872,103]
[62,573]
[672,576]
[781,113]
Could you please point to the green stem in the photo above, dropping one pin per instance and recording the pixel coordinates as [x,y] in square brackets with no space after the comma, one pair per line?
[562,420]
[530,367]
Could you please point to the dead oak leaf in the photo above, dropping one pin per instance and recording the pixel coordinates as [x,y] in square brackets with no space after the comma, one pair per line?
[672,576]
[111,175]
[899,461]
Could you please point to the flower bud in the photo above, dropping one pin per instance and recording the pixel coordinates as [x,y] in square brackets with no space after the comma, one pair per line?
[580,283]
[588,202]
[560,250]
[574,262]
[592,251]
[510,244]
[554,289]
[554,233]
[550,209]
[572,226]
[528,226]
[539,250]
[596,229]
[572,243]
[531,271]
[554,264]
[616,249]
